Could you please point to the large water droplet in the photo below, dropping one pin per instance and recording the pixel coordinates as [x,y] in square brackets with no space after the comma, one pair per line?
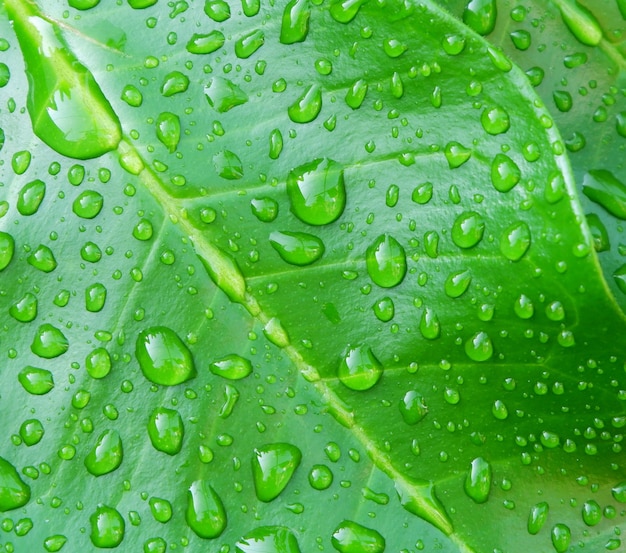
[359,368]
[228,165]
[468,229]
[163,357]
[249,44]
[515,241]
[42,259]
[264,209]
[161,509]
[276,144]
[356,94]
[481,15]
[14,493]
[174,83]
[561,537]
[345,11]
[232,367]
[31,431]
[95,297]
[456,154]
[24,310]
[505,173]
[429,324]
[581,22]
[88,204]
[619,492]
[295,22]
[268,539]
[602,187]
[351,537]
[412,407]
[168,130]
[36,381]
[317,191]
[591,512]
[106,455]
[386,261]
[205,512]
[107,527]
[297,248]
[166,430]
[537,517]
[68,110]
[308,106]
[49,342]
[495,120]
[478,481]
[207,43]
[98,363]
[479,347]
[273,465]
[7,249]
[54,543]
[223,95]
[30,197]
[457,283]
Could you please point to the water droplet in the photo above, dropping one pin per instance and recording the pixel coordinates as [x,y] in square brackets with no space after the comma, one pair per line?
[479,347]
[31,431]
[54,543]
[68,110]
[521,39]
[423,193]
[161,509]
[223,95]
[205,43]
[515,241]
[481,15]
[468,229]
[457,283]
[295,22]
[345,11]
[308,106]
[524,307]
[356,94]
[602,187]
[14,493]
[174,83]
[495,120]
[36,381]
[163,357]
[249,44]
[392,196]
[323,66]
[30,197]
[168,130]
[107,527]
[592,513]
[384,309]
[166,430]
[95,297]
[268,539]
[429,324]
[562,100]
[232,367]
[619,492]
[499,410]
[453,45]
[412,407]
[7,249]
[88,204]
[478,481]
[24,310]
[359,368]
[205,513]
[132,96]
[273,466]
[42,259]
[456,154]
[106,454]
[276,144]
[386,261]
[297,248]
[91,252]
[561,537]
[537,517]
[49,342]
[228,165]
[317,191]
[505,173]
[264,209]
[98,363]
[581,22]
[320,477]
[351,537]
[217,10]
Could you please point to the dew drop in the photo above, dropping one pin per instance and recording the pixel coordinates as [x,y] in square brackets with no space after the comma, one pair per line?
[515,241]
[495,120]
[107,527]
[619,492]
[168,130]
[268,539]
[174,83]
[205,512]
[320,477]
[537,517]
[386,261]
[524,307]
[423,193]
[359,368]
[24,310]
[223,95]
[14,493]
[413,407]
[31,431]
[351,537]
[505,173]
[132,96]
[106,455]
[273,465]
[356,94]
[456,154]
[251,7]
[95,297]
[54,543]
[457,283]
[295,22]
[345,11]
[36,381]
[581,22]
[308,106]
[7,249]
[481,15]
[49,342]
[468,229]
[98,363]
[429,324]
[561,537]
[42,259]
[163,357]
[384,309]
[591,512]
[453,44]
[161,509]
[478,481]
[205,43]
[231,367]
[264,209]
[88,204]
[297,248]
[249,44]
[276,144]
[479,347]
[30,197]
[418,498]
[166,430]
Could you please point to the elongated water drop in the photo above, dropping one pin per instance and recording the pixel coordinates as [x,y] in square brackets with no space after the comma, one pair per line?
[163,357]
[166,430]
[345,11]
[505,173]
[412,407]
[317,191]
[359,368]
[106,455]
[273,466]
[297,248]
[206,43]
[481,15]
[537,517]
[478,481]
[591,512]
[515,241]
[423,193]
[429,324]
[479,347]
[223,95]
[68,110]
[24,310]
[249,44]
[295,22]
[231,367]
[205,512]
[581,22]
[561,537]
[386,261]
[457,283]
[14,493]
[7,249]
[49,342]
[30,197]
[42,259]
[602,187]
[95,297]
[468,229]
[36,381]
[107,527]
[351,537]
[54,543]
[308,106]
[268,539]
[168,130]
[276,143]
[356,93]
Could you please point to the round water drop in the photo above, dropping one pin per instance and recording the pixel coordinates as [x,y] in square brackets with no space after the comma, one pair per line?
[549,440]
[231,367]
[205,43]
[168,130]
[591,512]
[268,539]
[95,297]
[468,229]
[264,209]
[320,477]
[495,120]
[143,230]
[429,324]
[359,368]
[356,94]
[76,174]
[317,191]
[205,512]
[14,493]
[98,363]
[7,249]
[481,15]
[515,241]
[20,162]
[537,517]
[106,455]
[521,39]
[297,248]
[166,430]
[505,173]
[351,537]
[456,154]
[249,44]
[412,407]
[273,465]
[295,22]
[107,527]
[24,310]
[561,537]
[132,96]
[91,252]
[54,543]
[524,307]
[163,357]
[423,193]
[161,509]
[457,283]
[619,492]
[384,309]
[31,431]
[228,165]
[174,83]
[36,381]
[42,259]
[453,45]
[386,261]
[49,342]
[30,197]
[478,481]
[562,100]
[88,204]
[308,106]
[479,347]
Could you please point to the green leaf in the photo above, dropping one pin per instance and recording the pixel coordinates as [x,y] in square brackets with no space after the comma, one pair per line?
[333,288]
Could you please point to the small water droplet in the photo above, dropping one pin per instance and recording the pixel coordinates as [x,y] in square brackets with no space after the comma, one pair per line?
[30,197]
[24,310]
[231,367]
[132,96]
[356,94]
[273,465]
[276,144]
[505,173]
[521,39]
[174,83]
[249,44]
[384,309]
[205,512]
[561,537]
[228,165]
[457,283]
[429,324]
[297,248]
[453,44]
[98,363]
[264,209]
[423,193]
[495,120]
[320,477]
[207,43]
[161,509]
[456,154]
[591,512]
[42,259]
[166,430]
[479,347]
[515,241]
[7,249]
[386,261]
[107,527]
[54,543]
[619,492]
[31,431]
[468,229]
[345,11]
[95,297]
[106,455]
[524,307]
[359,368]
[351,537]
